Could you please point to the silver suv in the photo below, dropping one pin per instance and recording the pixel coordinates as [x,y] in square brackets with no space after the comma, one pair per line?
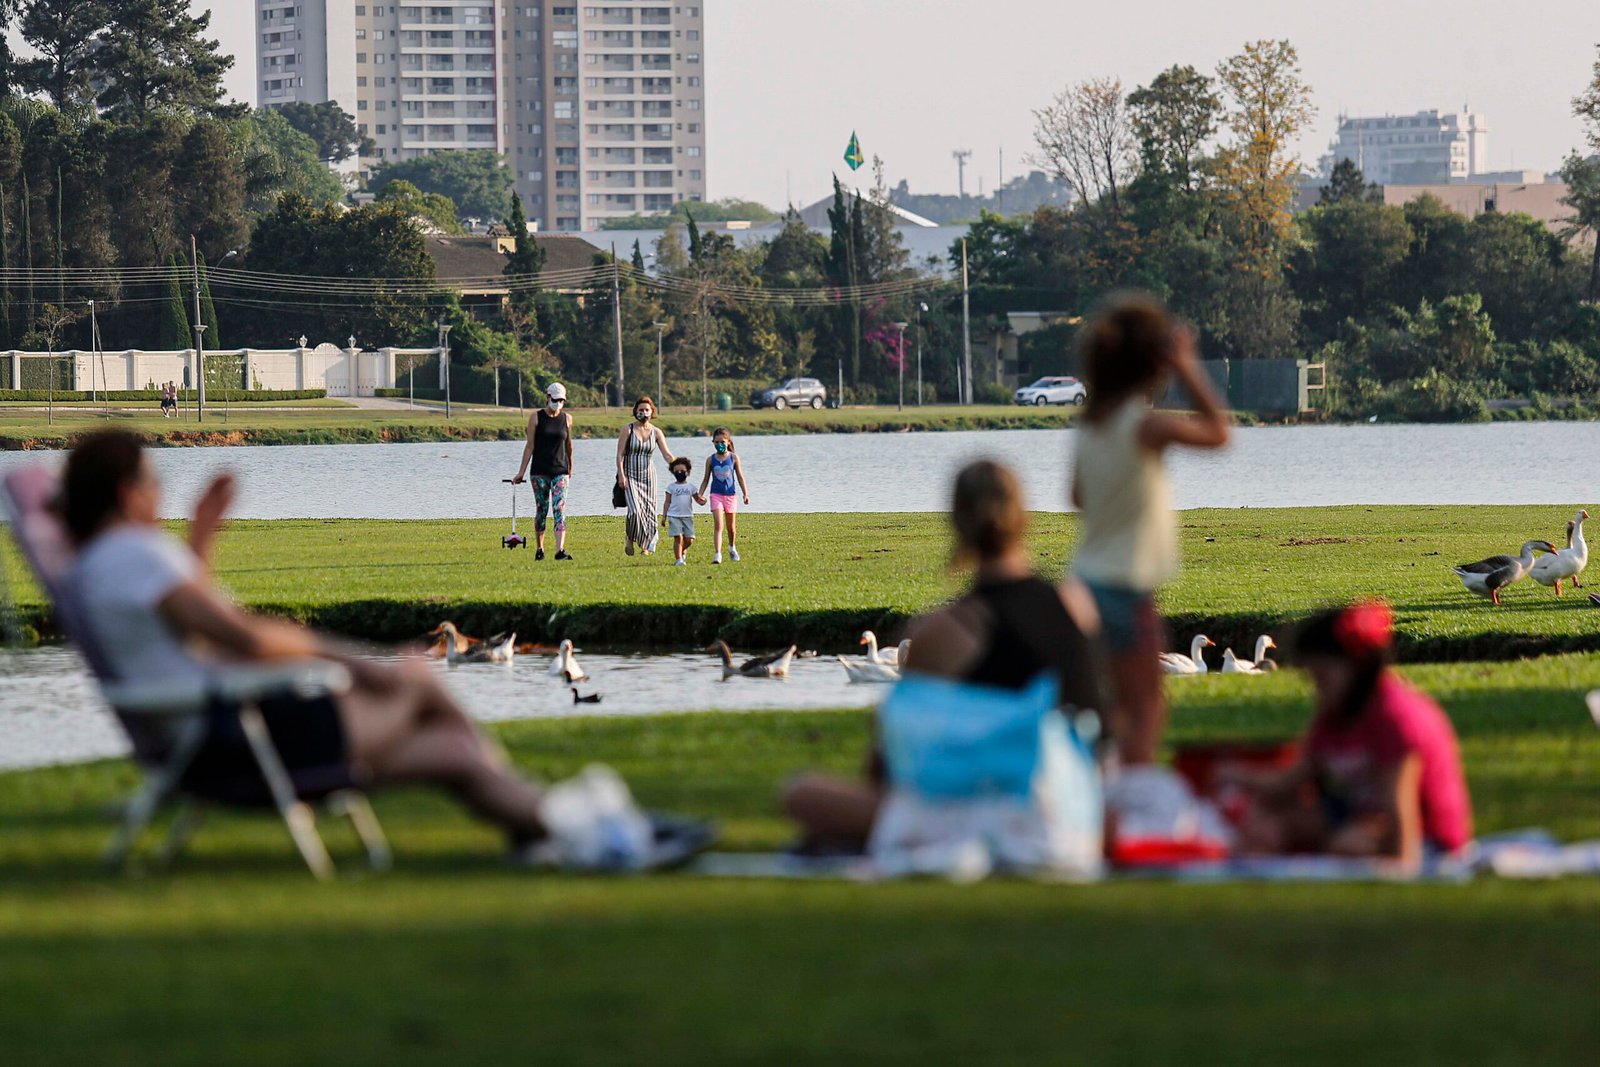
[793,393]
[1054,390]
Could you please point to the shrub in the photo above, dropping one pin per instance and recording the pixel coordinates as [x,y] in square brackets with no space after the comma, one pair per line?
[1431,398]
[994,393]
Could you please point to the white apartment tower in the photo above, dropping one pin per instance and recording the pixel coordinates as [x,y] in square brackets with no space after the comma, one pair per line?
[1427,147]
[600,110]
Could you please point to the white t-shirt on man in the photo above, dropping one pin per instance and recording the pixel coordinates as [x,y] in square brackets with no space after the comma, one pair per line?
[680,500]
[121,578]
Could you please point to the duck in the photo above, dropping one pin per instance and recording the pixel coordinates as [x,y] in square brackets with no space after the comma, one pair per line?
[565,665]
[891,656]
[445,637]
[773,666]
[1193,663]
[1231,664]
[1488,576]
[866,671]
[592,698]
[1566,563]
[497,649]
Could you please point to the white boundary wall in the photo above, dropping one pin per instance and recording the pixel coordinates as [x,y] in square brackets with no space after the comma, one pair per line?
[340,371]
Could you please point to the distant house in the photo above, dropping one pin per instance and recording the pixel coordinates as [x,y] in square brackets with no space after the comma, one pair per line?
[475,266]
[816,216]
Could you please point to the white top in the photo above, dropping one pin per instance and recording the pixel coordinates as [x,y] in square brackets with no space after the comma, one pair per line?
[1130,536]
[120,579]
[680,500]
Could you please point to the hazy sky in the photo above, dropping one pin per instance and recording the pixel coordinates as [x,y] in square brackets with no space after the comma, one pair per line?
[787,80]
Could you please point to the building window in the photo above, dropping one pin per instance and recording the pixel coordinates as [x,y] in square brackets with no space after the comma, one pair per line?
[361,35]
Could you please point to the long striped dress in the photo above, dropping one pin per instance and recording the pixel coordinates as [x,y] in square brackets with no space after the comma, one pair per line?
[639,461]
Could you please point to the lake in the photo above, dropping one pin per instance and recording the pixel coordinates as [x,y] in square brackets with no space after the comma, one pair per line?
[1293,466]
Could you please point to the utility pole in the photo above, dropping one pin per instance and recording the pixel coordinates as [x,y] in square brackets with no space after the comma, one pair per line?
[199,336]
[961,155]
[661,329]
[921,307]
[901,326]
[94,353]
[966,328]
[616,316]
[444,359]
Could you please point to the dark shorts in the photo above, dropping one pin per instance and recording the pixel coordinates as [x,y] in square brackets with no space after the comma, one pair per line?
[1128,618]
[309,737]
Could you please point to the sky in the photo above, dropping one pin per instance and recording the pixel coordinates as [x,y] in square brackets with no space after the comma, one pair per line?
[788,80]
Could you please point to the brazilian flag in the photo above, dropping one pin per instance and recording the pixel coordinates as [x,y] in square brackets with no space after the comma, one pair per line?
[852,153]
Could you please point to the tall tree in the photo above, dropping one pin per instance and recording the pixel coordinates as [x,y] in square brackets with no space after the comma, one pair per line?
[1583,175]
[478,181]
[638,256]
[431,209]
[64,35]
[173,326]
[524,261]
[211,189]
[156,55]
[1174,118]
[1347,183]
[1084,138]
[330,126]
[279,159]
[8,64]
[1271,105]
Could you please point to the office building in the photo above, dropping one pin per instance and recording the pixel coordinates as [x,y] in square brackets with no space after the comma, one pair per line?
[1428,146]
[600,110]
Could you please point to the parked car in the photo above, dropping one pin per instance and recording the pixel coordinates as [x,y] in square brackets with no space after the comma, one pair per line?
[1053,391]
[794,393]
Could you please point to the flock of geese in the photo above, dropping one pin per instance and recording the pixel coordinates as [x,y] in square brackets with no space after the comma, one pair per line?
[1488,577]
[1195,661]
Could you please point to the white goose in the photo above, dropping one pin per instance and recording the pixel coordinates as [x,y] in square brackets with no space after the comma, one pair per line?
[1193,663]
[565,666]
[1567,563]
[860,670]
[1232,664]
[1488,576]
[891,656]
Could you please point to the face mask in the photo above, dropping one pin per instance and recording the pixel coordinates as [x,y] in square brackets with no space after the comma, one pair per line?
[722,448]
[553,407]
[643,414]
[682,476]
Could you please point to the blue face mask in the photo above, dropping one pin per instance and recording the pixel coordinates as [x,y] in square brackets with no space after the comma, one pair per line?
[722,448]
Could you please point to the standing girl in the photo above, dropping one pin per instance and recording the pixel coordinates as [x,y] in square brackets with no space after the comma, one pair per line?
[549,455]
[725,475]
[1128,543]
[636,473]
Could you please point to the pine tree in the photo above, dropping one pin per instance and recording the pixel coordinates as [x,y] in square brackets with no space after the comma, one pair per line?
[172,328]
[696,246]
[208,315]
[638,256]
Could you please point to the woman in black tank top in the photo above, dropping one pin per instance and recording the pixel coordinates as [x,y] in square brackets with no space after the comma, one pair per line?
[1010,628]
[547,459]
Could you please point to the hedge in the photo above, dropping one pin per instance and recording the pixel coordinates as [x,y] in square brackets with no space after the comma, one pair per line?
[236,396]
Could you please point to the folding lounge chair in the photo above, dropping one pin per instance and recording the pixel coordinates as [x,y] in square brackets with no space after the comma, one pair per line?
[167,723]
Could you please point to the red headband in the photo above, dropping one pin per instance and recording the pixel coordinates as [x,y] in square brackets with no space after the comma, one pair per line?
[1364,630]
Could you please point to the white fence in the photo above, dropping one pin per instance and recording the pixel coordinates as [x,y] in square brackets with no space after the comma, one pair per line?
[340,371]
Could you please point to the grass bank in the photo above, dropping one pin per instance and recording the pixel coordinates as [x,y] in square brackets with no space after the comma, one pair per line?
[237,956]
[820,579]
[332,422]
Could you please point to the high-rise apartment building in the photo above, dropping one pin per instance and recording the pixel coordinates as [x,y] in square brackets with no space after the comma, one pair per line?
[1429,146]
[600,110]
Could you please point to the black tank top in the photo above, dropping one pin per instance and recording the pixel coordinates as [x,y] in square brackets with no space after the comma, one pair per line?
[549,446]
[1030,631]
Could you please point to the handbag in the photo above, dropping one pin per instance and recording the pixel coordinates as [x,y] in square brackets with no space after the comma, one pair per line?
[619,495]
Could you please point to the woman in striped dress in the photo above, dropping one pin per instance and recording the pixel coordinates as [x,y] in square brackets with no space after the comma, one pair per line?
[636,473]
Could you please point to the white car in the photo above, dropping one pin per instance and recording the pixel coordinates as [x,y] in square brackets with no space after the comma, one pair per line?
[1053,391]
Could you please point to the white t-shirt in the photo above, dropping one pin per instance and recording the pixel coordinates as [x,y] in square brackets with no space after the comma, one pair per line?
[1129,535]
[680,500]
[120,579]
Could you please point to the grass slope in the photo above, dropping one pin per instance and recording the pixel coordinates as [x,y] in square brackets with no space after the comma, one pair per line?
[819,579]
[334,422]
[237,956]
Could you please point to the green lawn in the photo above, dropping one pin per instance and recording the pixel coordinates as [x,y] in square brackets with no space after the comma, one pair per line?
[820,578]
[335,422]
[238,957]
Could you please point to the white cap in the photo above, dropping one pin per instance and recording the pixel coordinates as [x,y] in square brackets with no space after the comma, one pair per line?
[556,391]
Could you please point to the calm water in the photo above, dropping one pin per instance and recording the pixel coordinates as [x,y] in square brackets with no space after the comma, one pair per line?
[51,713]
[1499,463]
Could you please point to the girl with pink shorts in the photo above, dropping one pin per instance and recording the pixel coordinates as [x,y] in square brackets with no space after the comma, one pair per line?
[725,477]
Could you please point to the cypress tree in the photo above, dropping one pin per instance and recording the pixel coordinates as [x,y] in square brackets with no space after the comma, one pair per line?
[638,256]
[5,279]
[27,255]
[173,323]
[208,311]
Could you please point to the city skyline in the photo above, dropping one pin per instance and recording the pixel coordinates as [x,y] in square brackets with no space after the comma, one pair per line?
[843,61]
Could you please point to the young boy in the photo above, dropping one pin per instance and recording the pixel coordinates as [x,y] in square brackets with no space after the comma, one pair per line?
[679,506]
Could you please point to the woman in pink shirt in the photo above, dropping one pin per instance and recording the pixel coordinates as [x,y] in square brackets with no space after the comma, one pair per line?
[1379,772]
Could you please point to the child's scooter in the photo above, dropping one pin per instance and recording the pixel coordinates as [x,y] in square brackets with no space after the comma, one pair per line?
[515,540]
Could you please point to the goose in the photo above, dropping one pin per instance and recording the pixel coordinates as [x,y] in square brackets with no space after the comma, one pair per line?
[1488,576]
[1193,663]
[891,656]
[773,666]
[446,636]
[860,670]
[498,649]
[565,665]
[592,698]
[1232,664]
[1567,563]
[1260,665]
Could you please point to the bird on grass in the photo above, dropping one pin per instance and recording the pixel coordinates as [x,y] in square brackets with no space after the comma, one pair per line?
[1567,563]
[1193,663]
[592,698]
[1488,577]
[1231,664]
[774,666]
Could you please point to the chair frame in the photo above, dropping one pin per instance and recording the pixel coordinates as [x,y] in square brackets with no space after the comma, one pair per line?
[24,498]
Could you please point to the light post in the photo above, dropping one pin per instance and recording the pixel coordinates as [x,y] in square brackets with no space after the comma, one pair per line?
[901,326]
[444,357]
[920,309]
[661,328]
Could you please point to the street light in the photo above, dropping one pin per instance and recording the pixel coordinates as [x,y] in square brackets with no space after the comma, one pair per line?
[901,326]
[920,309]
[444,358]
[660,331]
